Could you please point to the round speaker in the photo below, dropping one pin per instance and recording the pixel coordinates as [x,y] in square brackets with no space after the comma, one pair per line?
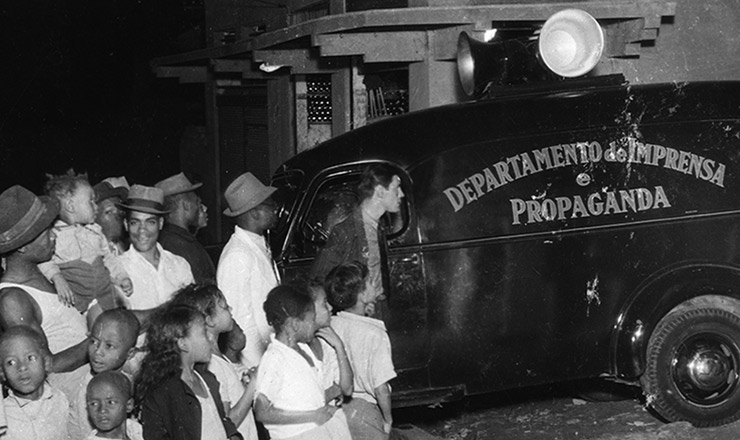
[571,42]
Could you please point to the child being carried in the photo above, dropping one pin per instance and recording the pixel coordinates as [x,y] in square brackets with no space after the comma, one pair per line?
[83,267]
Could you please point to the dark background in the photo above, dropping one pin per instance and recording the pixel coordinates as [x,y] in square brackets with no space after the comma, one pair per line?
[77,89]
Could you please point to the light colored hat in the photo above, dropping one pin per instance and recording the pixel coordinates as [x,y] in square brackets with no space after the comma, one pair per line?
[23,216]
[177,184]
[117,182]
[145,199]
[245,193]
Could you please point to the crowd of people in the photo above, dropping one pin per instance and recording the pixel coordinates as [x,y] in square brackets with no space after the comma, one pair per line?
[117,324]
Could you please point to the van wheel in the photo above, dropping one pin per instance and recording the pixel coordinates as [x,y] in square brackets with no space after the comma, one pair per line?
[693,362]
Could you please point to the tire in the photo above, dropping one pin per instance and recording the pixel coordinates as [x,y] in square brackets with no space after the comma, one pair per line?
[693,364]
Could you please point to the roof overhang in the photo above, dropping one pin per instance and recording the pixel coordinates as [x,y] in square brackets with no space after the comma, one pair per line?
[402,35]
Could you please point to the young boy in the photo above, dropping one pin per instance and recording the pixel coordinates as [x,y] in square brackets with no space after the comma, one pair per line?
[33,408]
[351,292]
[109,401]
[112,341]
[83,267]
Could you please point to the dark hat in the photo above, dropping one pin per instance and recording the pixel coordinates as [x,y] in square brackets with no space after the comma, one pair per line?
[245,193]
[145,199]
[23,216]
[105,190]
[177,184]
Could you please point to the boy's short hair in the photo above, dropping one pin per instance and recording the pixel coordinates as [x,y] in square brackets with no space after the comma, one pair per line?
[344,284]
[119,380]
[23,331]
[374,175]
[64,185]
[286,301]
[126,320]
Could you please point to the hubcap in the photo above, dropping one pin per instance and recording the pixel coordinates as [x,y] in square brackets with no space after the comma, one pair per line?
[705,368]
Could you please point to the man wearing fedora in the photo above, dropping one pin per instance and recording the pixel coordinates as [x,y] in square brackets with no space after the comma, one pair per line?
[109,193]
[182,222]
[26,296]
[246,271]
[155,272]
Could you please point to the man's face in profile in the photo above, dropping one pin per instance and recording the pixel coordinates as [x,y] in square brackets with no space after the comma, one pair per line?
[110,218]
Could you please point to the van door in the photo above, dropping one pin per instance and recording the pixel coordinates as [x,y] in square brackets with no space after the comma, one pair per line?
[331,199]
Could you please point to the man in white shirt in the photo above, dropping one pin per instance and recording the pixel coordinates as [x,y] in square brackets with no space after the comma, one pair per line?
[246,271]
[156,273]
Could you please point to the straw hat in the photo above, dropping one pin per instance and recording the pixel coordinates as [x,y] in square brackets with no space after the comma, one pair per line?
[145,199]
[245,193]
[177,184]
[23,216]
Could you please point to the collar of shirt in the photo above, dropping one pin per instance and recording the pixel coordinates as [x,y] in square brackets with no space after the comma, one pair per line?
[372,321]
[251,237]
[46,395]
[61,224]
[132,252]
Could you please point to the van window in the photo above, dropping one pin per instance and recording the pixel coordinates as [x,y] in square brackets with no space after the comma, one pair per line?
[333,203]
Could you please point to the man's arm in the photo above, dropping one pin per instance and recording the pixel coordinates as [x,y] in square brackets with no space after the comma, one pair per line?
[18,308]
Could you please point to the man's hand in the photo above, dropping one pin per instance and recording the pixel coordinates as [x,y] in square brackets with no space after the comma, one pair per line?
[64,292]
[127,286]
[387,426]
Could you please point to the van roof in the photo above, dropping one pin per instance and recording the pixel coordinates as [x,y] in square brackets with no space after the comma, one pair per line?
[411,138]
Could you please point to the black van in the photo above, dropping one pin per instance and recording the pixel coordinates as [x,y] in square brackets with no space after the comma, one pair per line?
[563,233]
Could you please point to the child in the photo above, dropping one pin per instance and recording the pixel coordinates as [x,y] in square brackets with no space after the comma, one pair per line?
[112,343]
[290,395]
[109,400]
[351,292]
[33,408]
[175,399]
[232,343]
[328,349]
[83,265]
[237,386]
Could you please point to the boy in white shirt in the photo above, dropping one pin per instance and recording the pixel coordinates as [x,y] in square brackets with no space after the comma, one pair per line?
[350,291]
[34,409]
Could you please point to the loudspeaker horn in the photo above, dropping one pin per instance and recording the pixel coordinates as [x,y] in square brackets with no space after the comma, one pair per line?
[570,43]
[499,62]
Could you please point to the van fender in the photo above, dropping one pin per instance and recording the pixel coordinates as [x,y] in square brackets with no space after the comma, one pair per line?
[674,289]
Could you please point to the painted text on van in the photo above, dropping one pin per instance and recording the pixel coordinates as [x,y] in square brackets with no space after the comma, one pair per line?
[596,204]
[628,150]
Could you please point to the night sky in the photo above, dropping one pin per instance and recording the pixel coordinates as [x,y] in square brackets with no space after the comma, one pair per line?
[77,90]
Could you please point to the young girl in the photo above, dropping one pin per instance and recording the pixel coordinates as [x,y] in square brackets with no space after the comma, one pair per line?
[328,349]
[290,394]
[237,386]
[175,400]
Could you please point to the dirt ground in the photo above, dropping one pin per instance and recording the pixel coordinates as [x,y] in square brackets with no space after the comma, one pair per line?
[552,414]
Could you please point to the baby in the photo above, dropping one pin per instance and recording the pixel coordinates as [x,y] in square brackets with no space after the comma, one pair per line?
[112,342]
[33,408]
[83,267]
[109,402]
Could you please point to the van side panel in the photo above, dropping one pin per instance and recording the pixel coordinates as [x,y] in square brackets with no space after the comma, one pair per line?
[533,247]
